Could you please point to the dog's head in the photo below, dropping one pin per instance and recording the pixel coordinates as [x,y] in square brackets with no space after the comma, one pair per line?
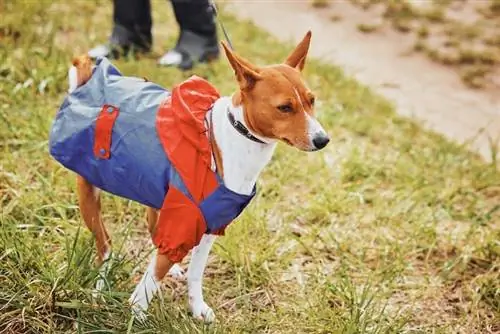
[277,103]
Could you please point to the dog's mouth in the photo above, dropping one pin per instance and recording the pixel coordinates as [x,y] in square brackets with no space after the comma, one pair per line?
[300,146]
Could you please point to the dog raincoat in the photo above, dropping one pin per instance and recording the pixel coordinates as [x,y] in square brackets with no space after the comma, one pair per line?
[134,139]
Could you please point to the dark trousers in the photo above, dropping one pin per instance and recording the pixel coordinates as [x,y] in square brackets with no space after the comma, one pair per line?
[132,20]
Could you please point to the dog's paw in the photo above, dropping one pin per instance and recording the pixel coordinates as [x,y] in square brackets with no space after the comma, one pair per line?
[176,272]
[202,311]
[139,313]
[100,284]
[96,294]
[99,287]
[138,308]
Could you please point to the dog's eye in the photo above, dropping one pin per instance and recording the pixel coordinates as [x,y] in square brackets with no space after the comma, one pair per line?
[285,108]
[312,100]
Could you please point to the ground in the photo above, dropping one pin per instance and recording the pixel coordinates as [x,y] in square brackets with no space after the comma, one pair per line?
[367,42]
[391,229]
[462,34]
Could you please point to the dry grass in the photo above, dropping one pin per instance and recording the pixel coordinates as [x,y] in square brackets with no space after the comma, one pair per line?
[320,3]
[391,229]
[367,28]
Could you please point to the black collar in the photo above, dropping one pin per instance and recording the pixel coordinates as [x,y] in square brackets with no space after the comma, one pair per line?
[241,128]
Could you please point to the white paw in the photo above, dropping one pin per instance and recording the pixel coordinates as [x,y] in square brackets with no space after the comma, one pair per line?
[103,272]
[202,311]
[95,294]
[139,307]
[99,287]
[139,312]
[100,284]
[176,272]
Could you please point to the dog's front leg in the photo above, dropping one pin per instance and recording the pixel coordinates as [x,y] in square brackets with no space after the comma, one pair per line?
[144,292]
[152,214]
[196,269]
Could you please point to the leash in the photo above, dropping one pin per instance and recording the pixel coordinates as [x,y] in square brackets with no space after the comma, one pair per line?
[242,129]
[216,13]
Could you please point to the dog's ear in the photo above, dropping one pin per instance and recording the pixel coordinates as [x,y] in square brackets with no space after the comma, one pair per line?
[297,58]
[246,73]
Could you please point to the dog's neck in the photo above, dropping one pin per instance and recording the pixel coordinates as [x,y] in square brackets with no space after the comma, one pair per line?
[242,158]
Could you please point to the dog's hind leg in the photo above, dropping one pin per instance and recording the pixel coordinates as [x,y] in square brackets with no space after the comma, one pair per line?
[80,72]
[90,207]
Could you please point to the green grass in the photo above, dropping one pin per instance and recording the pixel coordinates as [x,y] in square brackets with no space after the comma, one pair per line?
[391,229]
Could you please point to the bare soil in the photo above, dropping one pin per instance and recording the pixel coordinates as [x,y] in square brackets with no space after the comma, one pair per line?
[391,61]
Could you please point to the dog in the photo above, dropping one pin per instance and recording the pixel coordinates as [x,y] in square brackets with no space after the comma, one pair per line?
[271,104]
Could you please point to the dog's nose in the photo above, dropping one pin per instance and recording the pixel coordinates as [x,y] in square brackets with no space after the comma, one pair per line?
[320,141]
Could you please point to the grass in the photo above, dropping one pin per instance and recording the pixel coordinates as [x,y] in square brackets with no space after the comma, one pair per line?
[367,28]
[391,229]
[320,3]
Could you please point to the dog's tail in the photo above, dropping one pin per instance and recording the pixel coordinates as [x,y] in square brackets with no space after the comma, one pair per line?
[80,72]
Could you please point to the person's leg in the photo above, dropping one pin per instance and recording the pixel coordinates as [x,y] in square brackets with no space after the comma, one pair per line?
[196,16]
[132,24]
[198,34]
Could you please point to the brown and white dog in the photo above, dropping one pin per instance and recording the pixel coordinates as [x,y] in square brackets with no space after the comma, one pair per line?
[274,104]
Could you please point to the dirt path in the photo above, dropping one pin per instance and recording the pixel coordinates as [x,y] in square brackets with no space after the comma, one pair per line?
[419,88]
